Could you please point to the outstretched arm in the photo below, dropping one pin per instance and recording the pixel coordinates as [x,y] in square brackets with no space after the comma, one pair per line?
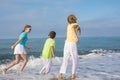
[78,29]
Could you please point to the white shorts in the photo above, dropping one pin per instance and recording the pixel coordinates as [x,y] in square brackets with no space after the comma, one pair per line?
[19,49]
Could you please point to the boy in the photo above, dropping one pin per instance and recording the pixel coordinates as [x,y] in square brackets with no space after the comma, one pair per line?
[48,53]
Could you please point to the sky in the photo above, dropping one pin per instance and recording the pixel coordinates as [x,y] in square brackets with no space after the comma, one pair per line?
[95,17]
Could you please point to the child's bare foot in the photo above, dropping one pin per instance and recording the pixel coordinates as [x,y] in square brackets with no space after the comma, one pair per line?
[4,71]
[73,76]
[59,76]
[20,72]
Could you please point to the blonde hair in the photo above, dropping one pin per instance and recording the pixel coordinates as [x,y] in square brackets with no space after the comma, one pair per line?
[72,19]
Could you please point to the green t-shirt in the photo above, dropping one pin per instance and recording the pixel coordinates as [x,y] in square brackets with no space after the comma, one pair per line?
[47,53]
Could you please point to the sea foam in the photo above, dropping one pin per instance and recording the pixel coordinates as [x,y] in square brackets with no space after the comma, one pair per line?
[90,67]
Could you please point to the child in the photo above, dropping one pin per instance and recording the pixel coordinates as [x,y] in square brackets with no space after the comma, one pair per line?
[70,48]
[19,50]
[48,53]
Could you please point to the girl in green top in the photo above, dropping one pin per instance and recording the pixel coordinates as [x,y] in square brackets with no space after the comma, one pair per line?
[48,53]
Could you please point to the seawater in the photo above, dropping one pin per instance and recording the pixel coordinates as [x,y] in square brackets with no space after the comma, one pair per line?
[99,59]
[86,45]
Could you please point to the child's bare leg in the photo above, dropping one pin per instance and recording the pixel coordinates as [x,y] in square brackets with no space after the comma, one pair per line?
[17,56]
[4,71]
[73,76]
[24,57]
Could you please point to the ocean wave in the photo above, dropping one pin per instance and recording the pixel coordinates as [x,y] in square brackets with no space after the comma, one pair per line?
[60,53]
[91,67]
[105,51]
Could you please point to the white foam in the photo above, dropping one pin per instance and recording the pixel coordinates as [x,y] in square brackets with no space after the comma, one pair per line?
[90,67]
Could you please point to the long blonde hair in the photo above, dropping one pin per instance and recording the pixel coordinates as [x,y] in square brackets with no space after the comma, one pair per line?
[72,19]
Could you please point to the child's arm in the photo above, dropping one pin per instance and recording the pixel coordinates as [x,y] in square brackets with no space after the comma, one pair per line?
[52,49]
[79,30]
[13,46]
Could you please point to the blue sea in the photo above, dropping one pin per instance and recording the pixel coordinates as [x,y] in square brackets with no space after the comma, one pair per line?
[98,59]
[85,46]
